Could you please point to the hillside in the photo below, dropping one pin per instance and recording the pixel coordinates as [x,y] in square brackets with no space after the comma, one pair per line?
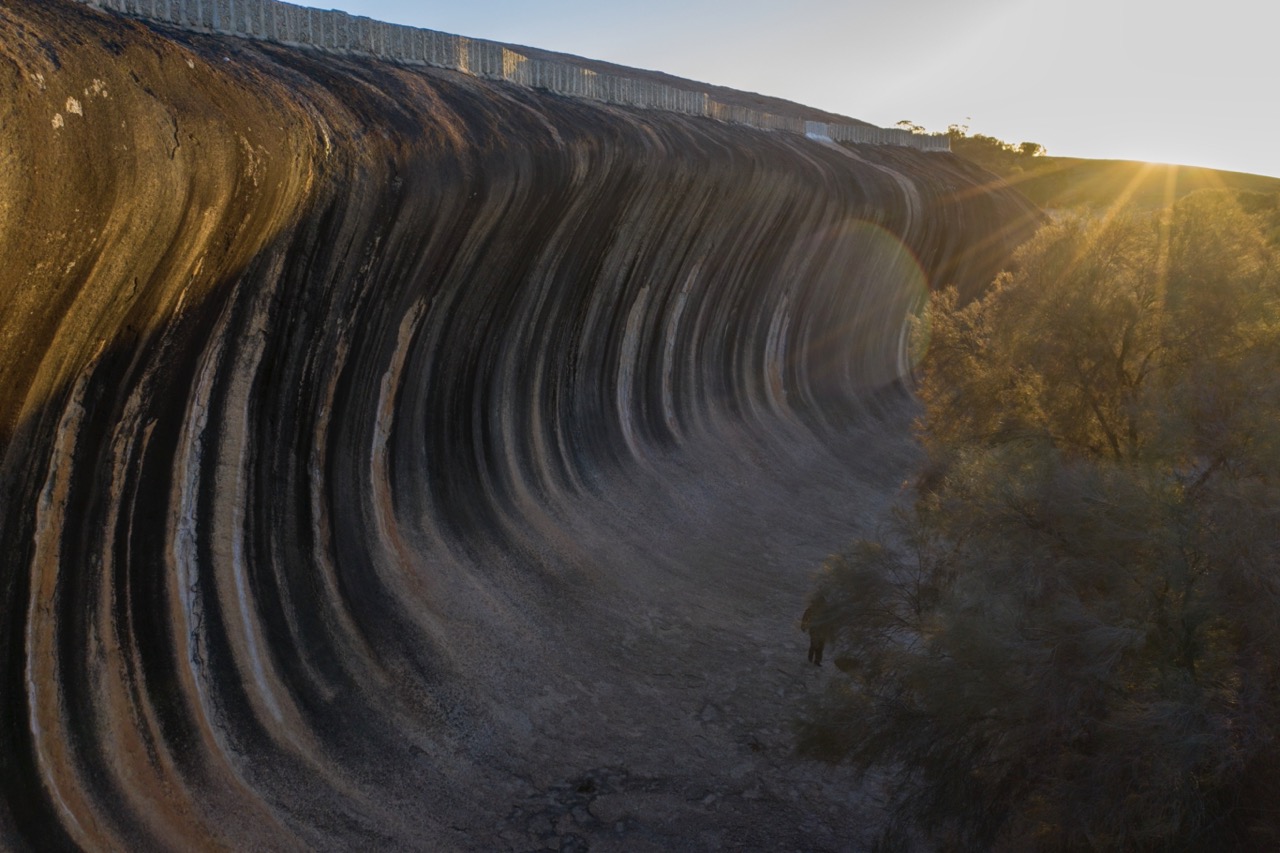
[394,458]
[1066,182]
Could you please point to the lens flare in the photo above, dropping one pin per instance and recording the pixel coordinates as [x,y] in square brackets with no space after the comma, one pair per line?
[866,292]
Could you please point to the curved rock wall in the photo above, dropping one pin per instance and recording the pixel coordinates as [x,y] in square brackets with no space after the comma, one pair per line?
[361,427]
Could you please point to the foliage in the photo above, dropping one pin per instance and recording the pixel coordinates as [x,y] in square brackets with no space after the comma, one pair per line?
[1266,207]
[1007,159]
[993,154]
[1070,637]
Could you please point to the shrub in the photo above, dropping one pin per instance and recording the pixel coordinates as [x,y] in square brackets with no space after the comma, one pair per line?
[1068,637]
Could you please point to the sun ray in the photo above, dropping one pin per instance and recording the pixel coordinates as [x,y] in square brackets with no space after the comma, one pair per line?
[1117,207]
[1163,237]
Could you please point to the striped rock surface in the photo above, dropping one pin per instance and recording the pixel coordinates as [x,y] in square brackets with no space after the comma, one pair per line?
[399,459]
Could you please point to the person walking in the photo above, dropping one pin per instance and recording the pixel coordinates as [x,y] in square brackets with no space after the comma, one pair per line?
[815,622]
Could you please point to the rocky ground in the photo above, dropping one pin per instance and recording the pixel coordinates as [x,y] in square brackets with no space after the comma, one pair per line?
[665,721]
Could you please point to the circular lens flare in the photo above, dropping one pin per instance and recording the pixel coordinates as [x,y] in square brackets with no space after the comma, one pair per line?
[866,324]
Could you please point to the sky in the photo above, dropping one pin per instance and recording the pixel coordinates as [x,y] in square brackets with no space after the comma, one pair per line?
[1159,80]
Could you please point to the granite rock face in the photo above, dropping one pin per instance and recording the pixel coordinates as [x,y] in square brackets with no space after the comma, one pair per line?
[396,458]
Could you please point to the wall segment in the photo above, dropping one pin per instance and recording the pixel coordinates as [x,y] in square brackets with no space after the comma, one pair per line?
[337,31]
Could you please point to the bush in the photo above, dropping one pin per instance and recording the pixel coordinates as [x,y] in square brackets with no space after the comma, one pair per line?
[1068,639]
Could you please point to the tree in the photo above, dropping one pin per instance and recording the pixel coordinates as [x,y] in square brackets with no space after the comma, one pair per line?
[1031,149]
[1070,636]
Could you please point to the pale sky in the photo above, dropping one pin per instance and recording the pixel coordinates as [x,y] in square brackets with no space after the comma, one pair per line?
[1161,80]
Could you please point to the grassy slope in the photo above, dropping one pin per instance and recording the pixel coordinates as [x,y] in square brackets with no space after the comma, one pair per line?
[1060,182]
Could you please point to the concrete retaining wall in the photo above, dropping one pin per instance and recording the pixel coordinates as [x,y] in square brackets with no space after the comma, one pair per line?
[337,31]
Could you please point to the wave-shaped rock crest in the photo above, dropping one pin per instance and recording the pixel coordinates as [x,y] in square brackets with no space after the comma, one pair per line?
[392,457]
